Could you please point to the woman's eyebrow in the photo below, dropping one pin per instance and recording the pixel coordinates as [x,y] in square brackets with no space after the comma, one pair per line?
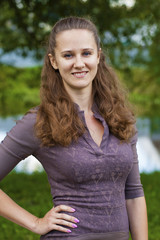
[67,51]
[83,49]
[91,49]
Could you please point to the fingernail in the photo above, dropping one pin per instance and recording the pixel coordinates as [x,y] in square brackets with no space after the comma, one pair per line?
[69,231]
[76,220]
[74,225]
[72,209]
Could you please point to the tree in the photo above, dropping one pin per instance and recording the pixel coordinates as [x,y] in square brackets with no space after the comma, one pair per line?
[26,24]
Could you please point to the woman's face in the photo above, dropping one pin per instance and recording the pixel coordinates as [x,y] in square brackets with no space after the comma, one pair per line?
[76,58]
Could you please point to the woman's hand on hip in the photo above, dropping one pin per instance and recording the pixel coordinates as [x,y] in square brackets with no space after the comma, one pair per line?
[55,220]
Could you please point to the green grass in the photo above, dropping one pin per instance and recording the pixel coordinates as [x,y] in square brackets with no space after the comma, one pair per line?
[151,184]
[33,193]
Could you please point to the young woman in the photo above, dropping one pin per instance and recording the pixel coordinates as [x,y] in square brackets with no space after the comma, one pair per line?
[84,135]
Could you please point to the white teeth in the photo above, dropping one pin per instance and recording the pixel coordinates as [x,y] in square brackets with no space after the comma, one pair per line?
[81,74]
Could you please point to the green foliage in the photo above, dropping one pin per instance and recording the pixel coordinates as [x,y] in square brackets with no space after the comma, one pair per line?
[33,193]
[19,89]
[28,23]
[25,25]
[144,90]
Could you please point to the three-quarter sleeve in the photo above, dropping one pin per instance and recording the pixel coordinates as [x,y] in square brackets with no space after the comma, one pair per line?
[19,143]
[133,186]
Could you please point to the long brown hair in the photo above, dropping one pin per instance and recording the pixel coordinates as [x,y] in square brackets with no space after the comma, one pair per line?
[57,118]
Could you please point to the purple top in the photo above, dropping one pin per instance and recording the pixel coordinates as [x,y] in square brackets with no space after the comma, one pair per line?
[93,180]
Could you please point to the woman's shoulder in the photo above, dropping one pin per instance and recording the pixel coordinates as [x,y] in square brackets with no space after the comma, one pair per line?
[134,138]
[26,124]
[21,141]
[30,116]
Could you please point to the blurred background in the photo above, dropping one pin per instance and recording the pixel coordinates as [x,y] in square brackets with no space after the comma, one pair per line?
[130,36]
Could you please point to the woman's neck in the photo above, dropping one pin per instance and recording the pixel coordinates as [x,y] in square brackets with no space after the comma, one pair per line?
[84,103]
[84,99]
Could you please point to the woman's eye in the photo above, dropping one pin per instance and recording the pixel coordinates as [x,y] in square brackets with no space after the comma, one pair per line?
[87,53]
[68,55]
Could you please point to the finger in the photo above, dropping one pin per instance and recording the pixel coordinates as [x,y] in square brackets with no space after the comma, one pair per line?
[63,208]
[66,217]
[61,229]
[66,223]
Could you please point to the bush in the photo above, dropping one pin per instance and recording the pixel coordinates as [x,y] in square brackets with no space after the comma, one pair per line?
[143,90]
[19,89]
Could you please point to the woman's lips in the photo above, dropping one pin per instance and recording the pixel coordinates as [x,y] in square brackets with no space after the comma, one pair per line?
[80,74]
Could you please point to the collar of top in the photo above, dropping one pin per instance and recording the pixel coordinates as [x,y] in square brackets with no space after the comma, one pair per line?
[94,108]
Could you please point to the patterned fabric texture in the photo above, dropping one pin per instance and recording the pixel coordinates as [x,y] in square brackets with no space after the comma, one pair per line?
[95,180]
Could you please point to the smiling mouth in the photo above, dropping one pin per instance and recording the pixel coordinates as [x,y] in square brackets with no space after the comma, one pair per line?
[80,74]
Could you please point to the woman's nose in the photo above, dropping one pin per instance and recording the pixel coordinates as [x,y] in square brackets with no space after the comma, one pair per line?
[79,63]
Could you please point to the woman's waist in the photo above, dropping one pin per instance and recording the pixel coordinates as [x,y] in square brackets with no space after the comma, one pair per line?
[90,205]
[99,202]
[99,218]
[92,236]
[98,209]
[104,236]
[94,220]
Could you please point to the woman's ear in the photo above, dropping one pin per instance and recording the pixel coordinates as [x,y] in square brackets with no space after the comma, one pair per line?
[99,54]
[52,61]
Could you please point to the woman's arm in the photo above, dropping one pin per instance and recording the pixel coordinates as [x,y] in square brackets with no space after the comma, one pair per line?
[10,210]
[13,212]
[137,215]
[19,143]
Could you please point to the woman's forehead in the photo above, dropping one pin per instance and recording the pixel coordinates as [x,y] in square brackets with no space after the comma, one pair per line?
[74,38]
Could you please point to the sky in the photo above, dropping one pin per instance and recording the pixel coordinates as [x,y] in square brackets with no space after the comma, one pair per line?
[128,3]
[16,60]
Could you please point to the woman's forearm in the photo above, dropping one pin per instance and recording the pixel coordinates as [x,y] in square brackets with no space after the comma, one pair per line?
[51,221]
[137,214]
[13,212]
